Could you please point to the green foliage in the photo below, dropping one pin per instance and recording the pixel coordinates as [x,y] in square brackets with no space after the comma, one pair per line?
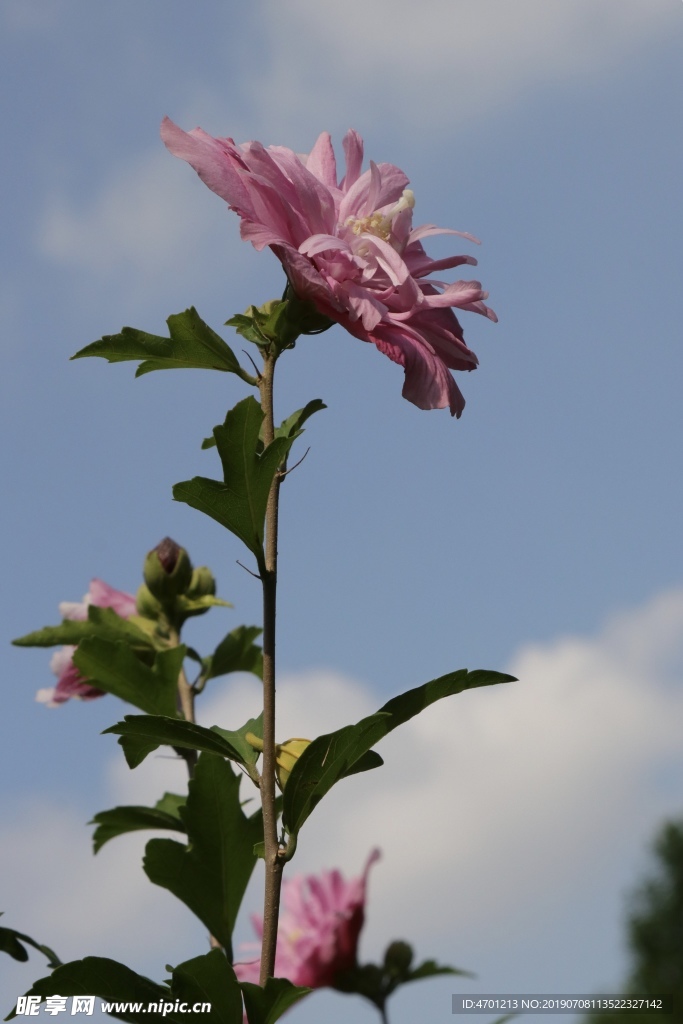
[209,979]
[12,943]
[376,982]
[192,345]
[239,503]
[141,734]
[119,820]
[655,931]
[293,425]
[211,874]
[108,979]
[331,757]
[236,652]
[290,427]
[266,1005]
[101,622]
[114,668]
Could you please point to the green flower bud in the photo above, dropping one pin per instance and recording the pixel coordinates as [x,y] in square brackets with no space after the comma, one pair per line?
[398,958]
[146,603]
[202,583]
[167,571]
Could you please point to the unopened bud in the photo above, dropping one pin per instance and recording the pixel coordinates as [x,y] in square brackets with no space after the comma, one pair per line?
[202,583]
[286,756]
[146,603]
[167,570]
[398,958]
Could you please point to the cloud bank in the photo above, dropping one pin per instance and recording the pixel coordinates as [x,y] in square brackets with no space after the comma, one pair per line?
[514,803]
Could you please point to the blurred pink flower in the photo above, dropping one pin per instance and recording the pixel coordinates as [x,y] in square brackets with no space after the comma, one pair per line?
[320,924]
[349,247]
[70,683]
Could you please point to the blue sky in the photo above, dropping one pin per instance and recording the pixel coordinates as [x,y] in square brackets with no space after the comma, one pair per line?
[536,534]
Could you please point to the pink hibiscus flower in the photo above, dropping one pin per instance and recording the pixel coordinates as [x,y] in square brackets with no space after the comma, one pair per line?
[349,248]
[70,683]
[320,924]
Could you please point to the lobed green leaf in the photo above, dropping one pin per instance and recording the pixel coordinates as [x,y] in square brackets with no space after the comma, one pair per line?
[239,503]
[101,622]
[211,874]
[236,652]
[192,345]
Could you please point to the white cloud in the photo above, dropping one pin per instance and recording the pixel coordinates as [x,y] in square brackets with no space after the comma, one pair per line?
[144,224]
[516,803]
[444,64]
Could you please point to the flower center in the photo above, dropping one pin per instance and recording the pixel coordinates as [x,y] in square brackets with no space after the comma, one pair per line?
[380,224]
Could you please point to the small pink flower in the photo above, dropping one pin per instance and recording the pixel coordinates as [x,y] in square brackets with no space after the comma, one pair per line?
[70,683]
[349,247]
[320,924]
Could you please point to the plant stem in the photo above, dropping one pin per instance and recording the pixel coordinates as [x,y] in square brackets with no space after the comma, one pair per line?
[186,701]
[268,570]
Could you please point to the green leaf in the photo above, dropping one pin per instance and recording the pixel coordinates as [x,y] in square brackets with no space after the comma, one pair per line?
[211,874]
[209,979]
[329,758]
[11,942]
[141,734]
[101,622]
[192,345]
[266,1005]
[292,426]
[430,968]
[365,763]
[108,979]
[120,820]
[236,652]
[237,740]
[114,668]
[239,504]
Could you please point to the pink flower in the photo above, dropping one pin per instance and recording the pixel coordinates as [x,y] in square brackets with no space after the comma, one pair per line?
[320,924]
[349,247]
[70,683]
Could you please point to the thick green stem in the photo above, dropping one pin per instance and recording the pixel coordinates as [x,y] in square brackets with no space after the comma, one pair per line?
[273,861]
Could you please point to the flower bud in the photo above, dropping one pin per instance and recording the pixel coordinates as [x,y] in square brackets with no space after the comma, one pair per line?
[398,958]
[202,583]
[146,603]
[167,571]
[286,756]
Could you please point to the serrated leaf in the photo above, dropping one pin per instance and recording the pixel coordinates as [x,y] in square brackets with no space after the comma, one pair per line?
[209,979]
[101,622]
[248,325]
[266,1005]
[119,820]
[108,979]
[211,874]
[236,652]
[192,345]
[141,734]
[114,668]
[328,758]
[12,943]
[292,426]
[239,503]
